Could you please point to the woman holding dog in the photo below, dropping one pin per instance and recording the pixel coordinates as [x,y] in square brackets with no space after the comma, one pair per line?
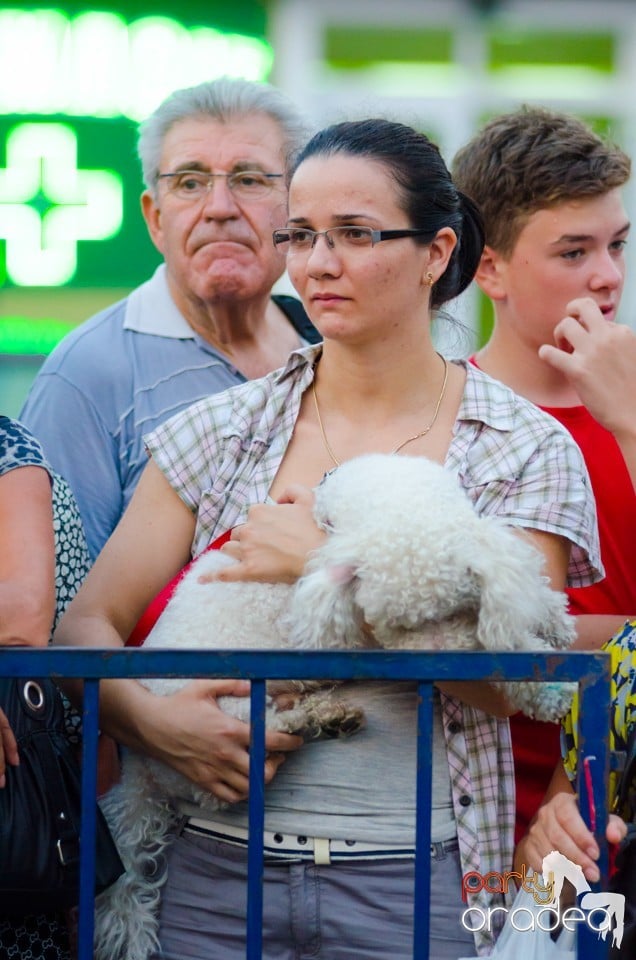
[377,239]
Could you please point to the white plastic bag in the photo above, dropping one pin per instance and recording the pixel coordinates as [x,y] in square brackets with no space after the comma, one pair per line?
[523,936]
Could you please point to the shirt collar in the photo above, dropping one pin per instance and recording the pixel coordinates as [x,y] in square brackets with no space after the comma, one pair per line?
[151,309]
[487,400]
[300,357]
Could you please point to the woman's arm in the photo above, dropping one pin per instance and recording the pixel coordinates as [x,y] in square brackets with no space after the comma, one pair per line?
[488,696]
[149,546]
[595,629]
[8,748]
[27,573]
[27,558]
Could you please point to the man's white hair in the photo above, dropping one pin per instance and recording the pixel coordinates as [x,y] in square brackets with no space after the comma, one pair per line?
[225,99]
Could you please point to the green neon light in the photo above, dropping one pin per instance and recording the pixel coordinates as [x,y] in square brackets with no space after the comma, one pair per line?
[47,204]
[26,336]
[98,64]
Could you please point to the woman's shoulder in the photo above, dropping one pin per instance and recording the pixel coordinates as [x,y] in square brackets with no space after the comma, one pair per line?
[242,408]
[498,431]
[499,406]
[258,392]
[18,447]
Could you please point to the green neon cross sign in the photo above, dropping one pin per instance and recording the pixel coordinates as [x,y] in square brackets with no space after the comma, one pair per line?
[47,205]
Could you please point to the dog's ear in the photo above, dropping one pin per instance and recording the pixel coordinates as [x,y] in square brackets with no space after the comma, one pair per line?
[518,608]
[323,613]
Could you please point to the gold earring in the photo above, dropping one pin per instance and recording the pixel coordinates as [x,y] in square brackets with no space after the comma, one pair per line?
[430,279]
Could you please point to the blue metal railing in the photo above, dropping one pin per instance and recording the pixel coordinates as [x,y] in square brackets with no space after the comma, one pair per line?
[591,670]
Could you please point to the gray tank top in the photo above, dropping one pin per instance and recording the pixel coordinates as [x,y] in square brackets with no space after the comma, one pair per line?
[362,787]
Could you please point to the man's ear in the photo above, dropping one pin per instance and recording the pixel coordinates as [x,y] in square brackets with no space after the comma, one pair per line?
[490,274]
[152,215]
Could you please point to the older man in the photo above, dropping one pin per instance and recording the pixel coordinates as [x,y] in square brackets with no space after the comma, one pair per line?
[213,159]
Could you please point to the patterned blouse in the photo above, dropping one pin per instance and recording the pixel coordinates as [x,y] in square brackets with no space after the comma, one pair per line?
[45,936]
[221,456]
[18,448]
[622,648]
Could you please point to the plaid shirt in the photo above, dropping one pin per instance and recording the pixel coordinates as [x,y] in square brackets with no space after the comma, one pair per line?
[221,456]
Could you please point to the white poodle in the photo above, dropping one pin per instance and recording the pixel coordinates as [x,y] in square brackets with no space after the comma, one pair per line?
[407,559]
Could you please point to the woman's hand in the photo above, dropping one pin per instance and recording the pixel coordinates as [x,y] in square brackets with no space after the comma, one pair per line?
[189,731]
[274,543]
[8,748]
[558,825]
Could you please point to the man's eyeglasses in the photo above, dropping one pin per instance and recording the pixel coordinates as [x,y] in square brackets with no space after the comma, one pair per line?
[196,184]
[301,239]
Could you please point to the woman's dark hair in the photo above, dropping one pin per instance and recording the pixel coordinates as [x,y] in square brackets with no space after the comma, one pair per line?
[427,193]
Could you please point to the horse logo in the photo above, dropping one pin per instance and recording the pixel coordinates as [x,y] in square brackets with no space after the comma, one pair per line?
[613,904]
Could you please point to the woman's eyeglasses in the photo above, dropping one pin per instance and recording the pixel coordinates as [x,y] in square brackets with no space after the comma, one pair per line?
[302,239]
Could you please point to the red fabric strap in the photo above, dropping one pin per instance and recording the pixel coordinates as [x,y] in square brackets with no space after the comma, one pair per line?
[156,606]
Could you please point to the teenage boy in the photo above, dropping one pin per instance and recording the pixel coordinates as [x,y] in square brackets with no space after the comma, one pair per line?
[549,189]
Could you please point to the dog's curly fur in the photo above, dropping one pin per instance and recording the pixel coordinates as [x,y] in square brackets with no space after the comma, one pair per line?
[408,557]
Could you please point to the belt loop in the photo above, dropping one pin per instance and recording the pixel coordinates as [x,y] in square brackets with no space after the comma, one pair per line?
[181,824]
[438,851]
[321,852]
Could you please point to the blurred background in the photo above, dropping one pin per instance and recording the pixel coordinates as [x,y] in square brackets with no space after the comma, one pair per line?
[76,78]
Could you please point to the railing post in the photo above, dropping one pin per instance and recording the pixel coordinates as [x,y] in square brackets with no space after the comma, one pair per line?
[593,790]
[256,818]
[421,912]
[90,718]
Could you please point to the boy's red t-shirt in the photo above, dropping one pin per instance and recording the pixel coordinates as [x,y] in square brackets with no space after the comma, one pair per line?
[536,745]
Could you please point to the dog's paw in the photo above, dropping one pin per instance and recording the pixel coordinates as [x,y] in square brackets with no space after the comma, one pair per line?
[319,717]
[548,701]
[554,700]
[346,723]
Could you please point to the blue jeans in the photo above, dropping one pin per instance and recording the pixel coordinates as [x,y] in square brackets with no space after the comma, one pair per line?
[346,911]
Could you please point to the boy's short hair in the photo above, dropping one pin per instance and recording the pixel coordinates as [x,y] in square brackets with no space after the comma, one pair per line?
[532,159]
